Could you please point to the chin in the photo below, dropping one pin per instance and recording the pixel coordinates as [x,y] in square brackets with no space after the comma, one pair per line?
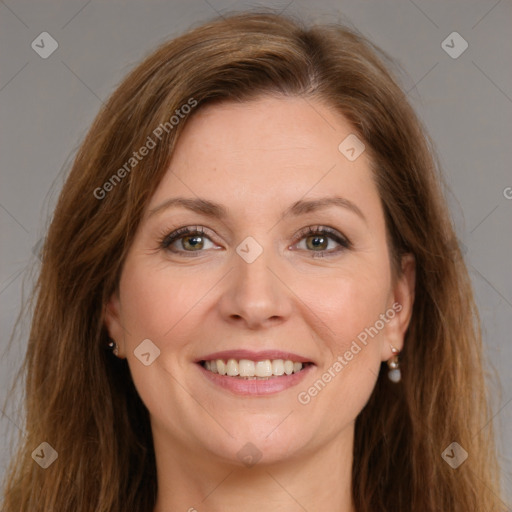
[258,444]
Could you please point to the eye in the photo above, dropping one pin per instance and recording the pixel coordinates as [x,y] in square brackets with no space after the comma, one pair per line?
[191,239]
[317,239]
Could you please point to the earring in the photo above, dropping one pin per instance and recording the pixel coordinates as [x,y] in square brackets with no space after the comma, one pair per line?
[112,345]
[394,373]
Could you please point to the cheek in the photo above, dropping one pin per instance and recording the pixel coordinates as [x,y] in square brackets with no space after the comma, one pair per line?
[352,348]
[154,302]
[347,303]
[347,312]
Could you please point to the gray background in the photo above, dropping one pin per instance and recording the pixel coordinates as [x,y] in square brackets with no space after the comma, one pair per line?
[465,103]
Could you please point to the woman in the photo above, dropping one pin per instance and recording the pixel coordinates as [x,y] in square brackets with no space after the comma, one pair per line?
[252,295]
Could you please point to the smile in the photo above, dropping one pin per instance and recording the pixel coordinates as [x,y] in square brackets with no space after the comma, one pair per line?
[253,378]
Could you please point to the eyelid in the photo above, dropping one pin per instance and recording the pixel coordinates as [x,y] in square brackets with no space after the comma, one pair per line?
[325,230]
[167,238]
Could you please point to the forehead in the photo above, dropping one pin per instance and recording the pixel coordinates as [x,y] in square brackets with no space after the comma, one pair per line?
[266,152]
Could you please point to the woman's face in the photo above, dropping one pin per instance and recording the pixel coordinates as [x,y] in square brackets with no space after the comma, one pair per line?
[255,280]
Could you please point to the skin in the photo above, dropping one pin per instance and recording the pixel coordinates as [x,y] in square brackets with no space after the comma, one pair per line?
[256,159]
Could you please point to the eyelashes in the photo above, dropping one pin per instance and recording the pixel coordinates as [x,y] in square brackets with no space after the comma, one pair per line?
[193,238]
[182,233]
[320,235]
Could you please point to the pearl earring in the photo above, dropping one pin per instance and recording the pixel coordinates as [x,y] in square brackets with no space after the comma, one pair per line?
[394,373]
[112,345]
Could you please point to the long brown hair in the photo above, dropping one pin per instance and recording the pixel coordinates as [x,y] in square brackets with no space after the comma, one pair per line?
[82,401]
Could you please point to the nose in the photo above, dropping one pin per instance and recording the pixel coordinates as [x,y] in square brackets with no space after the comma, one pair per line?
[255,294]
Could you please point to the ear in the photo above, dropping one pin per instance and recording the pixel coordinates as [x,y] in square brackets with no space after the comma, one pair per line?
[402,301]
[113,323]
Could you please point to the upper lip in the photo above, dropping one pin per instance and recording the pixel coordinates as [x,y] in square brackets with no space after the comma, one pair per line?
[254,356]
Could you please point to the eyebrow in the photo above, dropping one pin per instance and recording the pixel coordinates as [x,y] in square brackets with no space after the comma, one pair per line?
[213,209]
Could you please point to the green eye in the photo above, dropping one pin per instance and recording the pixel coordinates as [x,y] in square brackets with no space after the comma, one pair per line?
[316,239]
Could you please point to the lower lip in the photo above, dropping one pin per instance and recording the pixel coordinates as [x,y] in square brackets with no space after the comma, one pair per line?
[256,387]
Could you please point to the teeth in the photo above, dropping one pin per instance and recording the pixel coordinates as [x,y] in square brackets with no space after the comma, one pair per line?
[221,367]
[263,368]
[245,368]
[232,368]
[278,367]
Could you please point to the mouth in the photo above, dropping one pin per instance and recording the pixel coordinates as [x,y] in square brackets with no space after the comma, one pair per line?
[254,370]
[246,373]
